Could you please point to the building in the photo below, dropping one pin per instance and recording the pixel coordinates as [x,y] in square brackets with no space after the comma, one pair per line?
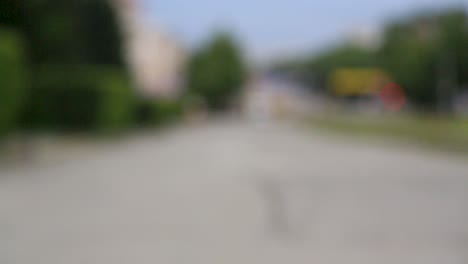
[155,57]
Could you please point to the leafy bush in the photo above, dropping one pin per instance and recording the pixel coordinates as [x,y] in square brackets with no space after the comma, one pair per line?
[158,112]
[12,79]
[84,98]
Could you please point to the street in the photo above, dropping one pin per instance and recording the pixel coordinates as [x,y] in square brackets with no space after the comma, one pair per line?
[237,192]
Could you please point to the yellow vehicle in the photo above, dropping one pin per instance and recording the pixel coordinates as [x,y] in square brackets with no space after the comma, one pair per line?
[357,81]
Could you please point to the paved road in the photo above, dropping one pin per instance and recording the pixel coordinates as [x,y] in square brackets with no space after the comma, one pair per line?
[232,192]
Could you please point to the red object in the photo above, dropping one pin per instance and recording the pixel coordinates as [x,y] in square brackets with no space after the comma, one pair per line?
[393,97]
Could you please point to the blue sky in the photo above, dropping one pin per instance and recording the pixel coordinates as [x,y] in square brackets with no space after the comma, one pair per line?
[268,28]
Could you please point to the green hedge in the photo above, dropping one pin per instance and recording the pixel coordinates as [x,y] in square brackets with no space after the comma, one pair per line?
[83,98]
[158,112]
[12,79]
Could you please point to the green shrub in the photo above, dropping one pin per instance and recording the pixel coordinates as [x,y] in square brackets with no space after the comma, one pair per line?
[83,98]
[118,104]
[158,112]
[12,79]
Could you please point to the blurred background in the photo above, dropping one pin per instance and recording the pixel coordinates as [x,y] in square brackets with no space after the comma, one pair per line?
[95,66]
[175,118]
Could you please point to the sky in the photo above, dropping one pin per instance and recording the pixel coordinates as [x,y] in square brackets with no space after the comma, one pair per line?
[268,29]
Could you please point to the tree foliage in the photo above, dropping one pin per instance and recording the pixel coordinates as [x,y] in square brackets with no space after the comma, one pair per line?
[10,12]
[84,98]
[73,54]
[347,56]
[423,51]
[426,54]
[315,70]
[411,63]
[74,31]
[12,79]
[216,72]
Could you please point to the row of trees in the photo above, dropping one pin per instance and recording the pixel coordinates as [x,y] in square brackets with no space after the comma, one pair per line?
[428,56]
[61,68]
[69,32]
[425,54]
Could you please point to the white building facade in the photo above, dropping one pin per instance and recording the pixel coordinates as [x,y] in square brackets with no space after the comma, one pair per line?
[156,59]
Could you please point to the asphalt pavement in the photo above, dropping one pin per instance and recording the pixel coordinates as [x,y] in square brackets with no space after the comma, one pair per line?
[237,192]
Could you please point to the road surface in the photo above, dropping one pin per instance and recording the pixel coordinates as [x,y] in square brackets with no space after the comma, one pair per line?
[235,192]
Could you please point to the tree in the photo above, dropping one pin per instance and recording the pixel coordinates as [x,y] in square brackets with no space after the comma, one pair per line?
[315,70]
[9,12]
[101,38]
[410,61]
[216,72]
[425,50]
[12,71]
[74,31]
[454,40]
[78,77]
[346,56]
[12,79]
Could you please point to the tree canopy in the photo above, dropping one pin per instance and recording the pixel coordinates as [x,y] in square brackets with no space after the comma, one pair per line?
[425,54]
[75,31]
[426,50]
[217,72]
